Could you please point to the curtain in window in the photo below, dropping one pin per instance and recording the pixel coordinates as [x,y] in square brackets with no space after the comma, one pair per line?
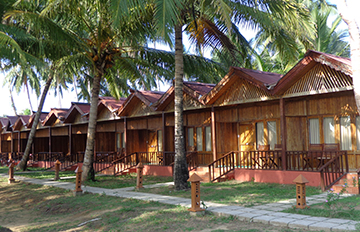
[329,130]
[123,140]
[207,138]
[159,140]
[190,137]
[358,133]
[345,133]
[272,134]
[314,131]
[259,134]
[199,139]
[118,141]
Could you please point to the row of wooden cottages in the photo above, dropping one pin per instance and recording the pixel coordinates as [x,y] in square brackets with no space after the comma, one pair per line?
[311,106]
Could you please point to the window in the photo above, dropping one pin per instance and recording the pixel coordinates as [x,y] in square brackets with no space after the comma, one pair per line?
[259,134]
[120,141]
[271,125]
[329,130]
[199,139]
[190,137]
[207,138]
[314,131]
[358,132]
[160,140]
[345,133]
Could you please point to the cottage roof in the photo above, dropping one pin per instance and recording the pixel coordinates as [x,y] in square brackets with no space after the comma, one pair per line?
[260,79]
[55,113]
[149,98]
[195,89]
[32,118]
[310,59]
[22,120]
[5,122]
[76,108]
[111,103]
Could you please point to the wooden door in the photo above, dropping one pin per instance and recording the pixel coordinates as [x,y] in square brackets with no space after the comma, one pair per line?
[152,142]
[246,136]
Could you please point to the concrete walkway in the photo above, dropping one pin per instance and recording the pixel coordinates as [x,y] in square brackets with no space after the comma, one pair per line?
[267,214]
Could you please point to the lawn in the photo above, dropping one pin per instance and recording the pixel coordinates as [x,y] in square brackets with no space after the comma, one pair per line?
[239,193]
[30,207]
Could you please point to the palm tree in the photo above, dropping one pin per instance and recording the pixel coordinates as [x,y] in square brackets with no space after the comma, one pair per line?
[207,22]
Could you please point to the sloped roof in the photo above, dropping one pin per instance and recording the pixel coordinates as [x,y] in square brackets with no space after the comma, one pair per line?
[32,118]
[263,80]
[76,108]
[55,113]
[5,122]
[194,89]
[149,98]
[23,120]
[310,59]
[111,103]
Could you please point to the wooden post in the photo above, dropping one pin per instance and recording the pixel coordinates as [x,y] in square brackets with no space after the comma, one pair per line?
[195,193]
[78,190]
[12,143]
[11,172]
[19,139]
[70,138]
[164,137]
[283,133]
[125,136]
[49,140]
[139,179]
[301,192]
[57,169]
[213,133]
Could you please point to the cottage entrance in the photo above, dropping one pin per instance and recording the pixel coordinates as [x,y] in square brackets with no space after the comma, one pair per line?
[246,137]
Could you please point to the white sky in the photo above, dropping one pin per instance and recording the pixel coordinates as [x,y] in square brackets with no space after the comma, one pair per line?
[22,103]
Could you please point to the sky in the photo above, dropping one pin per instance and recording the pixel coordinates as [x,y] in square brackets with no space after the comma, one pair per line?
[21,99]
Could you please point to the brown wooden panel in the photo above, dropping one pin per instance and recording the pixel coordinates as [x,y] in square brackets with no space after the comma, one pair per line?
[119,125]
[136,141]
[41,144]
[24,135]
[226,115]
[105,127]
[169,120]
[60,144]
[152,141]
[226,137]
[105,114]
[170,142]
[155,123]
[105,141]
[59,131]
[44,133]
[259,112]
[295,108]
[78,143]
[137,124]
[296,130]
[6,136]
[198,119]
[6,146]
[79,129]
[247,137]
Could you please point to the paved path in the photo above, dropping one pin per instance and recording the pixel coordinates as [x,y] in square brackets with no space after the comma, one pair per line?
[267,214]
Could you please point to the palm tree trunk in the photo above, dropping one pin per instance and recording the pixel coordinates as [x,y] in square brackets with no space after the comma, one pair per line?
[354,32]
[23,163]
[12,101]
[181,173]
[28,95]
[88,169]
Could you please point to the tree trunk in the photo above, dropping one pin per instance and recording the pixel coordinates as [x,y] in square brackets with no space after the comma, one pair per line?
[12,101]
[354,33]
[181,173]
[28,95]
[23,163]
[88,169]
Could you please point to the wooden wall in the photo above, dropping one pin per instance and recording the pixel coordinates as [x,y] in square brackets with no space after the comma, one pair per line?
[78,143]
[60,144]
[105,141]
[136,141]
[41,144]
[226,132]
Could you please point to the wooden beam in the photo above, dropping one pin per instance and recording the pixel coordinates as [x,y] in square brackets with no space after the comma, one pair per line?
[213,133]
[283,133]
[70,138]
[49,139]
[163,136]
[12,143]
[125,135]
[19,141]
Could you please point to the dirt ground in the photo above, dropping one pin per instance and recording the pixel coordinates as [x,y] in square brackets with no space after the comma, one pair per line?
[26,207]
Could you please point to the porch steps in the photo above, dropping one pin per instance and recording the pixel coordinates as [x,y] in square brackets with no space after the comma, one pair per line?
[349,179]
[203,173]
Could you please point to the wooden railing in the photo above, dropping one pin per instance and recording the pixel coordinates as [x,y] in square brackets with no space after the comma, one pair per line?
[309,160]
[258,159]
[4,158]
[104,160]
[223,165]
[48,158]
[333,170]
[17,156]
[151,158]
[191,160]
[169,158]
[125,163]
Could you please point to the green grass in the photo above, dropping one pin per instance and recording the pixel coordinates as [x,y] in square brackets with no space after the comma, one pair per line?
[345,208]
[30,207]
[239,193]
